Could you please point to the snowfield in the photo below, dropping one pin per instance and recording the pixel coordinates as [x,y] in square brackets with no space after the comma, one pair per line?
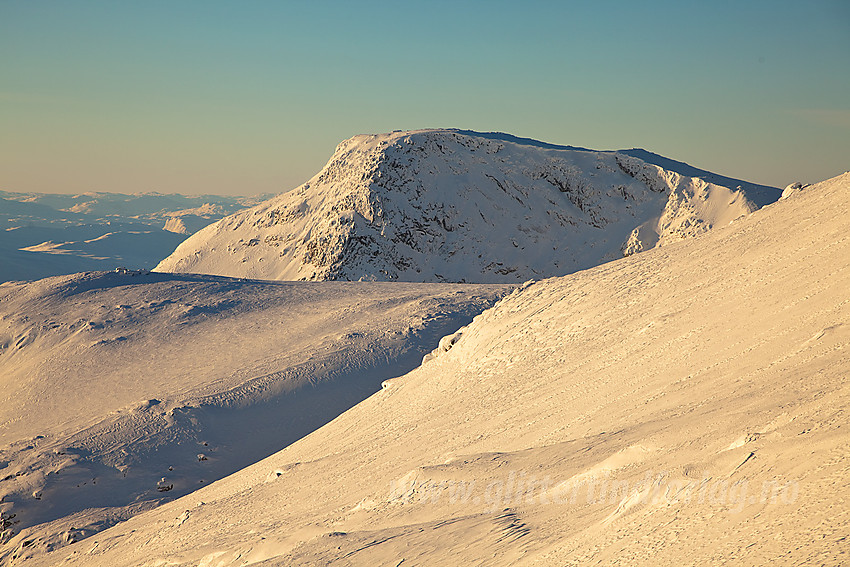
[683,405]
[461,206]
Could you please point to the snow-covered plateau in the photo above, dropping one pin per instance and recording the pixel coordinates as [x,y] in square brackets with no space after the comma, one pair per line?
[462,206]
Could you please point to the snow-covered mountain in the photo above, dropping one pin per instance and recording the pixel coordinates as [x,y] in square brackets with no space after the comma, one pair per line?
[684,404]
[452,205]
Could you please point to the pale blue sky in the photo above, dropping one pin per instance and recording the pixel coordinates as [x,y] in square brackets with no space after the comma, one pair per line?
[250,97]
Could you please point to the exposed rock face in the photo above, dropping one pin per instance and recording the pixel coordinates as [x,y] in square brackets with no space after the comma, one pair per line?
[449,205]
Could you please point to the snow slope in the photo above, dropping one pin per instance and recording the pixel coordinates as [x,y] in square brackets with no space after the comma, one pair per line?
[451,205]
[43,234]
[684,405]
[115,386]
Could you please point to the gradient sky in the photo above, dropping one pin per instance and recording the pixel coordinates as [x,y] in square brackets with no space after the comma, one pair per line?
[250,97]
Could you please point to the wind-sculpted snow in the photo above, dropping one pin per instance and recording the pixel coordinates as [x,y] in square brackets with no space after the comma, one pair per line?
[683,405]
[120,390]
[447,205]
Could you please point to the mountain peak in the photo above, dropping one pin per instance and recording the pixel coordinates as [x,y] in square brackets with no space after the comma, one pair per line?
[464,206]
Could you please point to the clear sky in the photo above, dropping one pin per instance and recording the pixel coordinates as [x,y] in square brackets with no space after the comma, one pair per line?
[244,97]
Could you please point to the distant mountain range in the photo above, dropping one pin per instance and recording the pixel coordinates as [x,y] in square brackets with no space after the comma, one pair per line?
[463,206]
[43,234]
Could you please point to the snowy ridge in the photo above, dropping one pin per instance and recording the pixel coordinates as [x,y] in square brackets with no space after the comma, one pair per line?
[450,205]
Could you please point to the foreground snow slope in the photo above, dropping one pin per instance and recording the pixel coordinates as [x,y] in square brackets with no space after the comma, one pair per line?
[450,205]
[686,405]
[117,386]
